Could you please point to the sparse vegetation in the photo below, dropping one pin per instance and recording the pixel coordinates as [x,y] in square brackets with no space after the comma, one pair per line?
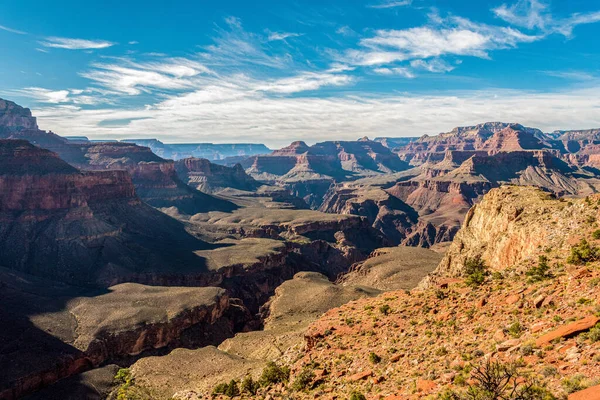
[273,374]
[515,329]
[475,271]
[127,389]
[374,358]
[230,389]
[541,271]
[594,333]
[304,379]
[494,380]
[249,385]
[574,383]
[385,309]
[583,253]
[357,396]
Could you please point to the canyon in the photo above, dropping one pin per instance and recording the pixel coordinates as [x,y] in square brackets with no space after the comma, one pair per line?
[187,268]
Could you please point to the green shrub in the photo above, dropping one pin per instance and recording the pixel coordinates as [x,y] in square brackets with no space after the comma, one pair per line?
[304,379]
[374,358]
[475,271]
[385,309]
[594,333]
[583,253]
[596,234]
[441,351]
[540,271]
[249,385]
[574,383]
[357,396]
[230,389]
[273,374]
[515,329]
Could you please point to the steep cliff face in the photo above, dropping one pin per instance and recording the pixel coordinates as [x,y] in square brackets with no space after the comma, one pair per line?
[84,227]
[583,146]
[14,118]
[335,160]
[208,177]
[155,179]
[511,224]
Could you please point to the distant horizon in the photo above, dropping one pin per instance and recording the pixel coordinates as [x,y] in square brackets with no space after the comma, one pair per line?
[278,71]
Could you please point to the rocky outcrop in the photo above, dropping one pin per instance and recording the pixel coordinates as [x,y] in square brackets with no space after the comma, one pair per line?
[208,177]
[14,118]
[508,226]
[386,213]
[309,171]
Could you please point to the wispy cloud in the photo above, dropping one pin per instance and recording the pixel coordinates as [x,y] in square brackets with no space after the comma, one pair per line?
[573,75]
[401,71]
[75,44]
[70,96]
[235,47]
[435,65]
[458,36]
[282,35]
[345,31]
[536,14]
[133,78]
[7,29]
[392,4]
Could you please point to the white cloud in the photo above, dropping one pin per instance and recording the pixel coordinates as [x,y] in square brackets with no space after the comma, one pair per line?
[230,115]
[133,78]
[47,96]
[7,29]
[536,14]
[455,36]
[345,31]
[236,47]
[133,42]
[435,65]
[273,36]
[392,4]
[401,71]
[525,13]
[304,82]
[75,44]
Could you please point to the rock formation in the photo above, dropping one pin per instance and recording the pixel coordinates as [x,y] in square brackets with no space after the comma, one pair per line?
[208,177]
[210,151]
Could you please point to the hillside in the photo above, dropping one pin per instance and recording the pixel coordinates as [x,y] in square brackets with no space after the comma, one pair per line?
[512,307]
[534,307]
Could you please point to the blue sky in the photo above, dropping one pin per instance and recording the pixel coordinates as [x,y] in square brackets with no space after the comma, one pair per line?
[277,71]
